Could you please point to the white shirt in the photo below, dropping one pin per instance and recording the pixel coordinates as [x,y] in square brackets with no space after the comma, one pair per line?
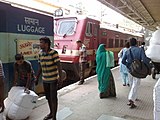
[83,54]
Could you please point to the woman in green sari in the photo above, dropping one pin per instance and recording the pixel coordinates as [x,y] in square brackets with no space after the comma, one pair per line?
[106,83]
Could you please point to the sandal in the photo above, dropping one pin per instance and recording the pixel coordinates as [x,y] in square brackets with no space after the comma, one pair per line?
[129,104]
[49,116]
[133,106]
[81,82]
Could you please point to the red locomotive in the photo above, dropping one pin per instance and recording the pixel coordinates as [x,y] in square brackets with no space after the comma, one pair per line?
[67,30]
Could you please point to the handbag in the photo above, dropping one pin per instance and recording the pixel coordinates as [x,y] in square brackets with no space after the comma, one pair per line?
[109,59]
[138,68]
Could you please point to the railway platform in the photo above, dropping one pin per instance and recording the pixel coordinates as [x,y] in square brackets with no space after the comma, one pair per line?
[82,102]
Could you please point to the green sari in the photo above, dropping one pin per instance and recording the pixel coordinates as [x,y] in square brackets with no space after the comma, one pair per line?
[106,84]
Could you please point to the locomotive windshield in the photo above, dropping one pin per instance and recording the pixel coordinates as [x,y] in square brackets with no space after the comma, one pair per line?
[66,27]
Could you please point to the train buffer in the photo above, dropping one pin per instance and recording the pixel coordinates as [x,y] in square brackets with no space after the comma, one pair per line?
[82,102]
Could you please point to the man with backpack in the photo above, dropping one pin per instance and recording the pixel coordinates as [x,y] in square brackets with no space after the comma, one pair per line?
[134,53]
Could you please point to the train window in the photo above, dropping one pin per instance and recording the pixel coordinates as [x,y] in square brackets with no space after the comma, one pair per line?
[66,27]
[116,42]
[104,33]
[125,42]
[121,43]
[95,30]
[110,43]
[89,29]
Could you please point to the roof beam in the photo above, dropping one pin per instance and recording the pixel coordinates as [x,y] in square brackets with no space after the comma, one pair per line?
[121,7]
[133,9]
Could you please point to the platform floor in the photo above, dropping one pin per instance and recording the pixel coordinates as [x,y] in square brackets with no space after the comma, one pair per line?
[82,102]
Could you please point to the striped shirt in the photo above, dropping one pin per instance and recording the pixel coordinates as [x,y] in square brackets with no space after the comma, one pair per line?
[48,62]
[1,69]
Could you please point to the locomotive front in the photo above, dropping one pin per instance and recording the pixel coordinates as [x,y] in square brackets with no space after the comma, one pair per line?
[64,43]
[67,31]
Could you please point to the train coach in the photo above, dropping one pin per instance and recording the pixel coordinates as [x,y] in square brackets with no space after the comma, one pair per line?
[69,29]
[20,31]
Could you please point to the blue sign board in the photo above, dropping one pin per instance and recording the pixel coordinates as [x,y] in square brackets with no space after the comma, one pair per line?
[17,20]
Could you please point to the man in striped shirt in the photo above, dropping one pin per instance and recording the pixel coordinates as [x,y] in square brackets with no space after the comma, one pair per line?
[1,88]
[51,70]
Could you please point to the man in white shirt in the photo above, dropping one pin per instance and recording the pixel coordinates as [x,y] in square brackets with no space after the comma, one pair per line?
[82,60]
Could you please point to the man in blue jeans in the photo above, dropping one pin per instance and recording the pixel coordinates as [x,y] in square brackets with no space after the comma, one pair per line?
[138,53]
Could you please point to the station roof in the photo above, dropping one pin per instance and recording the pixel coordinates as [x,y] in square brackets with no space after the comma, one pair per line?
[143,12]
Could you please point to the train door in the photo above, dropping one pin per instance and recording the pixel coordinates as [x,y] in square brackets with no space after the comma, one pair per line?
[91,41]
[117,37]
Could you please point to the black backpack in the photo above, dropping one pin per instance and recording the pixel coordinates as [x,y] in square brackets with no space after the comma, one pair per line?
[138,68]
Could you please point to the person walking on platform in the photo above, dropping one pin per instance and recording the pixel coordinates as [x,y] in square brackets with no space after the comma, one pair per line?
[23,73]
[143,46]
[123,68]
[82,60]
[1,88]
[50,67]
[106,83]
[134,52]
